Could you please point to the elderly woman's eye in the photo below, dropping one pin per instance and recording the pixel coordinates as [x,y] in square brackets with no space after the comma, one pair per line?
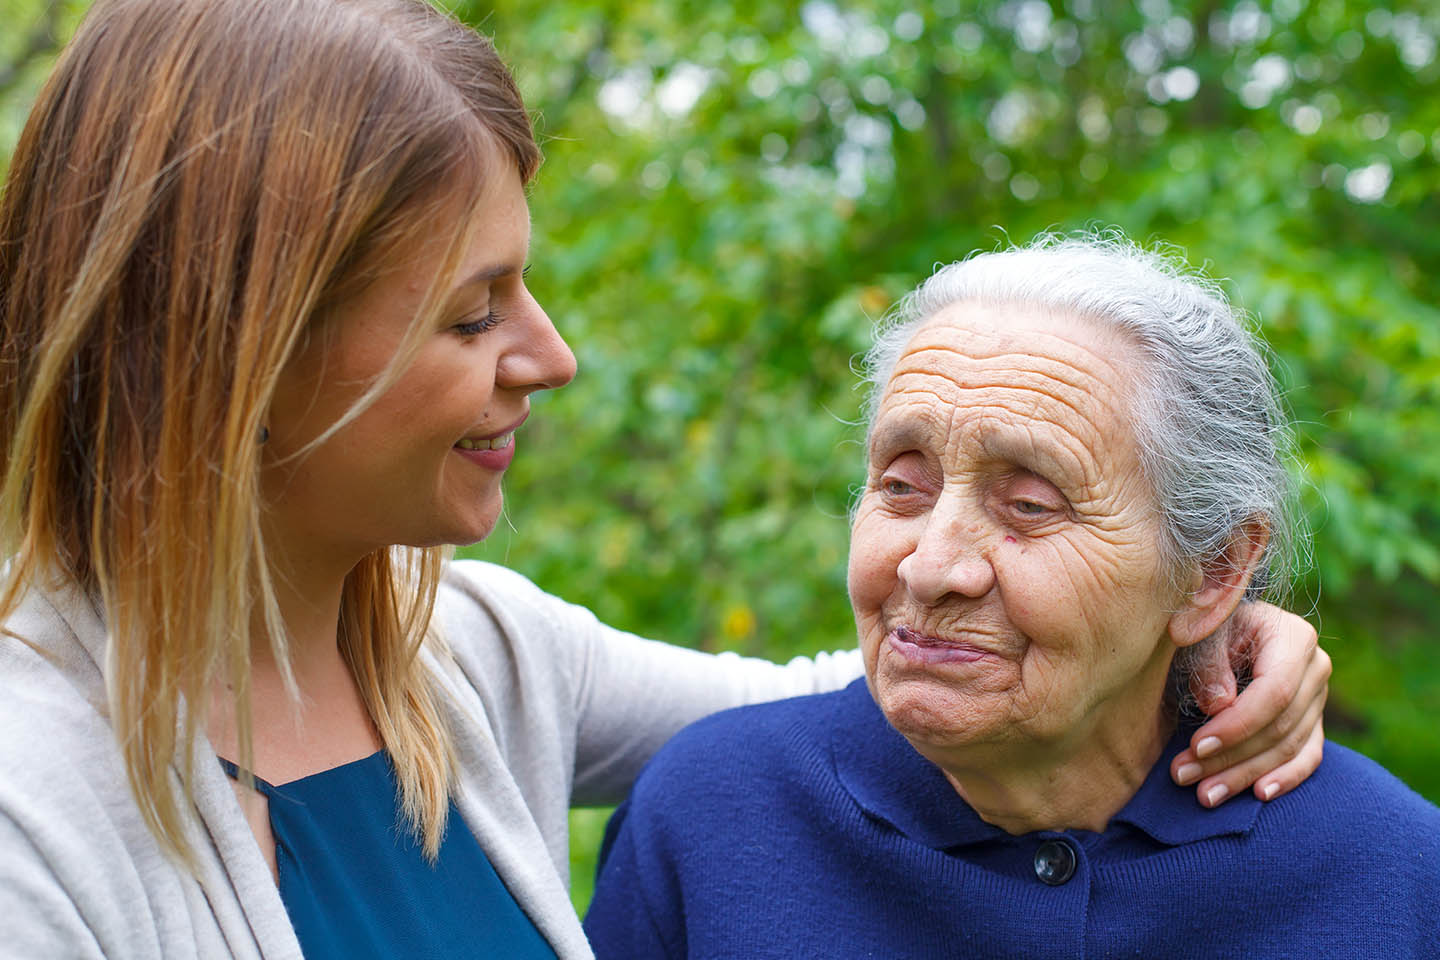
[894,487]
[1030,507]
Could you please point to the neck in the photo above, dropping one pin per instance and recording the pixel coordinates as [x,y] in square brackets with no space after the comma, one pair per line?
[1081,792]
[1077,781]
[309,602]
[329,723]
[309,575]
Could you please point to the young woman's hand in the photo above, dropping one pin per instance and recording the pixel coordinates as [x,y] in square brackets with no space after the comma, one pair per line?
[1270,735]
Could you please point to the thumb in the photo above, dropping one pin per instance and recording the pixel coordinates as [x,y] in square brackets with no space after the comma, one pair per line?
[1213,683]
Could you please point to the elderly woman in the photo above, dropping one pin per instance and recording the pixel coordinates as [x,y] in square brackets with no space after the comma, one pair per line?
[1075,477]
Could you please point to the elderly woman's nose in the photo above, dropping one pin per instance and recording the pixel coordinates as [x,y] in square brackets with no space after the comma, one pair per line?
[946,560]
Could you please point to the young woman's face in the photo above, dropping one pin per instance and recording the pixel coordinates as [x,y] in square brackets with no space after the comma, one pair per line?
[422,464]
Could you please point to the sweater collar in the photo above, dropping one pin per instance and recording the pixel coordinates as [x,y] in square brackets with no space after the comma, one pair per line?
[893,783]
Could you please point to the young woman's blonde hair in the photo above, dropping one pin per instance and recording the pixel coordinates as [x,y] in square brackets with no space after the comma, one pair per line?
[199,183]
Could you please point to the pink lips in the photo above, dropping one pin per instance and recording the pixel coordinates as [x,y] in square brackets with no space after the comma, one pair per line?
[919,648]
[497,460]
[489,459]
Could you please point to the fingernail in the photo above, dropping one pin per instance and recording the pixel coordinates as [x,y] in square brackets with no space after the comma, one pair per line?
[1216,794]
[1268,791]
[1207,746]
[1188,773]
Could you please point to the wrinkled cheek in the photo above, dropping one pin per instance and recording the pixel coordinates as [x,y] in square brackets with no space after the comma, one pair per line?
[869,631]
[860,580]
[1035,610]
[870,580]
[1045,594]
[1048,677]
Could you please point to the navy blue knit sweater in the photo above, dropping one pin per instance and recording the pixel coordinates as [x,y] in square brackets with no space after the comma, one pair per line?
[809,828]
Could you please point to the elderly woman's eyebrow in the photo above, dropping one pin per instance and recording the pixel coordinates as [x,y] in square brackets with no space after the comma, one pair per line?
[1053,461]
[897,433]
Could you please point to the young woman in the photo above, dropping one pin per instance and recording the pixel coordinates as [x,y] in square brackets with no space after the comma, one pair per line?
[266,349]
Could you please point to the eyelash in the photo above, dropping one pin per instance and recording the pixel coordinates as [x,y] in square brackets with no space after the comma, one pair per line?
[888,485]
[491,320]
[474,328]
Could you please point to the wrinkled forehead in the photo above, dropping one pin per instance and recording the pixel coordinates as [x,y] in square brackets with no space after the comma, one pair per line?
[1011,375]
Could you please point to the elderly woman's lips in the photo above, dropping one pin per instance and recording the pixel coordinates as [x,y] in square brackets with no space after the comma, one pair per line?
[926,649]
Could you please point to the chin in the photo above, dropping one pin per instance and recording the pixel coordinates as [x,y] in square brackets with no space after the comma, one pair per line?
[478,522]
[474,534]
[930,712]
[460,531]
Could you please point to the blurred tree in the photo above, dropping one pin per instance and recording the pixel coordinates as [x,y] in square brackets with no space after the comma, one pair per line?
[734,192]
[30,34]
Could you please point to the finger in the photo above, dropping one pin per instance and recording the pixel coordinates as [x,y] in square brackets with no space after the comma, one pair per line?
[1288,776]
[1213,683]
[1250,625]
[1281,645]
[1240,732]
[1282,692]
[1231,773]
[1271,773]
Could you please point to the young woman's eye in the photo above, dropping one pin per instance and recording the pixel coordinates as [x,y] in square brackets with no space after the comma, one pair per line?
[473,328]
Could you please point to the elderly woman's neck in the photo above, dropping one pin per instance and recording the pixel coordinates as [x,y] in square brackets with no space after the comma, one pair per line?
[1078,783]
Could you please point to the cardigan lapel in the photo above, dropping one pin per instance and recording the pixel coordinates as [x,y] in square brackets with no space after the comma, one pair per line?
[503,824]
[236,882]
[894,783]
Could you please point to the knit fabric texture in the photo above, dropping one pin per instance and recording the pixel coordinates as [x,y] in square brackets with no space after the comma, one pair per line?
[811,828]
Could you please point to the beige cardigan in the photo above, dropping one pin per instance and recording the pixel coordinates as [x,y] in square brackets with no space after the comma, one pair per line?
[548,706]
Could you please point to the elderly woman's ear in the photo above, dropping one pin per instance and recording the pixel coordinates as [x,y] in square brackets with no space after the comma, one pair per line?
[1220,584]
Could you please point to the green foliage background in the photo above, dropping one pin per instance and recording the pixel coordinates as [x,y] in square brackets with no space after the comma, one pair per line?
[733,192]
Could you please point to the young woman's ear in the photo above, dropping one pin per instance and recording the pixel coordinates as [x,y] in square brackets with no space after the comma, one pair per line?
[1221,585]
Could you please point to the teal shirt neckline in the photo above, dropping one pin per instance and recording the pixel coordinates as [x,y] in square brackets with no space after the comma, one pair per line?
[356,883]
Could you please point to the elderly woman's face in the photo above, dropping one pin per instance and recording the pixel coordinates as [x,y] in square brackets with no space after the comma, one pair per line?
[1004,567]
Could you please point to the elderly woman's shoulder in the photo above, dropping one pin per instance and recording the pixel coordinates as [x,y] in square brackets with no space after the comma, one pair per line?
[1346,778]
[733,751]
[1353,803]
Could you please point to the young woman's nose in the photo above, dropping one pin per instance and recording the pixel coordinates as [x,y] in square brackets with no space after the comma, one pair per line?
[540,359]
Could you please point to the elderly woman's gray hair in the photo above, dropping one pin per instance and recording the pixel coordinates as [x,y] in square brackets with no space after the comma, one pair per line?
[1213,439]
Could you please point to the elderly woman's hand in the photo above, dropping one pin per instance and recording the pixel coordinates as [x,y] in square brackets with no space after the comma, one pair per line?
[1271,734]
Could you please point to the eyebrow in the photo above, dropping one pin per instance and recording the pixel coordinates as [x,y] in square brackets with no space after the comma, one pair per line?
[1039,460]
[908,432]
[911,432]
[486,274]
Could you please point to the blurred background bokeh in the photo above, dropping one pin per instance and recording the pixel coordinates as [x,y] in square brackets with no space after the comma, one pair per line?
[733,192]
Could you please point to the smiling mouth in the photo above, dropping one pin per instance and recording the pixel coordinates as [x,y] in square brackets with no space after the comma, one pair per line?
[918,646]
[493,443]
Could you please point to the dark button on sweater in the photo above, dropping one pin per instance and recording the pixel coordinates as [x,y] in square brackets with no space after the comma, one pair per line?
[1055,862]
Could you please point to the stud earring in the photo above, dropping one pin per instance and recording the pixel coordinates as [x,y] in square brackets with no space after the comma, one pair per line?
[264,434]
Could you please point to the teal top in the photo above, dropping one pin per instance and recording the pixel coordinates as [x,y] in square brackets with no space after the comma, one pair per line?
[356,883]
